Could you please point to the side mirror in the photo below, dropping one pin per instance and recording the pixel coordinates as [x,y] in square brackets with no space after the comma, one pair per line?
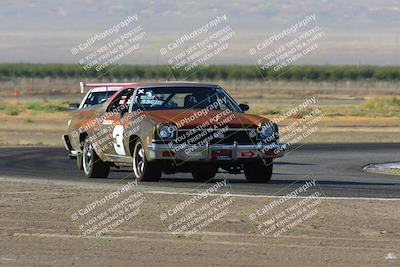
[244,107]
[73,106]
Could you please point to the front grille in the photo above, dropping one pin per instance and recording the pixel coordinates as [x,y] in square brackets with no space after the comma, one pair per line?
[215,136]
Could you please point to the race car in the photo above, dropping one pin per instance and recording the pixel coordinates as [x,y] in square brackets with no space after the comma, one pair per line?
[171,127]
[97,94]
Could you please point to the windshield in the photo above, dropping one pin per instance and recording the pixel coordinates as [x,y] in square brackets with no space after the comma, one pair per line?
[162,98]
[95,98]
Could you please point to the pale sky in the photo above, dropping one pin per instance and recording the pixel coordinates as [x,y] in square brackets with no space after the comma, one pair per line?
[356,32]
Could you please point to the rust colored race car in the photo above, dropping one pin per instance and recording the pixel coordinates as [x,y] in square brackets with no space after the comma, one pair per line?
[170,127]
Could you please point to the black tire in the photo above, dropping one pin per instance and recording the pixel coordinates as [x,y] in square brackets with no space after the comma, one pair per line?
[79,161]
[144,170]
[259,171]
[93,166]
[203,176]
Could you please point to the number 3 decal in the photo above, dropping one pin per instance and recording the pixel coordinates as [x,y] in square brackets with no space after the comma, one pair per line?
[118,134]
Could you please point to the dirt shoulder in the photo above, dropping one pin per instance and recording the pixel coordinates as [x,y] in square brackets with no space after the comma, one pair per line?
[38,228]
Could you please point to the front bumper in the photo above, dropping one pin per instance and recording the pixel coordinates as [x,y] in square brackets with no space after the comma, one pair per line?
[67,144]
[215,152]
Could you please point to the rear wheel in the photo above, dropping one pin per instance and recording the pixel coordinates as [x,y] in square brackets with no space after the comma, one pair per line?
[258,171]
[93,166]
[144,170]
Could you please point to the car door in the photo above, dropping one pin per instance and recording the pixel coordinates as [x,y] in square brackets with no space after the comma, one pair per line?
[111,132]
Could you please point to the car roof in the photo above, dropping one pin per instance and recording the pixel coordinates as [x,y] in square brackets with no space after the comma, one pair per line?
[174,84]
[104,89]
[118,86]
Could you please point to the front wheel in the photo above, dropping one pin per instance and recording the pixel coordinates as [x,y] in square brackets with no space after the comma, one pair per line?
[142,169]
[93,166]
[259,171]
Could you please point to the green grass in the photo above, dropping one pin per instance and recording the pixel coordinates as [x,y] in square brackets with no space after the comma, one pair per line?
[12,110]
[45,106]
[34,105]
[387,106]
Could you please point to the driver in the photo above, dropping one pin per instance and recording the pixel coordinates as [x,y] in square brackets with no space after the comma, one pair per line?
[202,99]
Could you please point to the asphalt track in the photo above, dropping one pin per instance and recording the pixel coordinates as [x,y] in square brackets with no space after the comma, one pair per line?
[337,168]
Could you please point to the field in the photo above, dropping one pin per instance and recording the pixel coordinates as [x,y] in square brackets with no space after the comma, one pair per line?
[41,119]
[34,99]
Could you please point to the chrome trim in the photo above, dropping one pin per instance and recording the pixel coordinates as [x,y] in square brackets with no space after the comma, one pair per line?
[203,153]
[211,129]
[165,141]
[208,152]
[64,140]
[67,145]
[235,150]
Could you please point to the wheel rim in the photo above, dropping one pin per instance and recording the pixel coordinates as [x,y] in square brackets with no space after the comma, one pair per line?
[87,156]
[138,160]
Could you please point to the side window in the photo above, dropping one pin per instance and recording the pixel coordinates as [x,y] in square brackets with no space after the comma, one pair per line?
[121,101]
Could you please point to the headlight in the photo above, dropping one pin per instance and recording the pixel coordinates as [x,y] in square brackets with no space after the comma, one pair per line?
[267,131]
[167,131]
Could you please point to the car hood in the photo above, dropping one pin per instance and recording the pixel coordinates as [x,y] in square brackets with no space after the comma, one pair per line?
[190,118]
